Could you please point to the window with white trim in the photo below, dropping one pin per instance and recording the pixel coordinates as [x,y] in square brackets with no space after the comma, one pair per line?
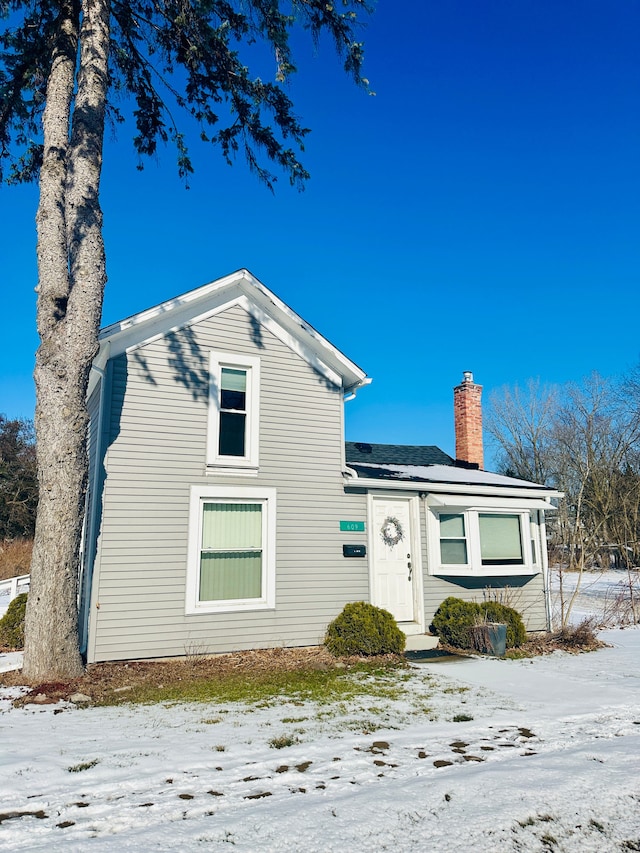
[231,561]
[234,416]
[491,541]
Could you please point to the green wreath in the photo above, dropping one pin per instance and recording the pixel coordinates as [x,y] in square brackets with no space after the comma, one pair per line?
[391,531]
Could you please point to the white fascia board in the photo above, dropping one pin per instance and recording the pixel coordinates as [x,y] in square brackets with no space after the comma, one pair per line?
[353,376]
[452,489]
[133,337]
[171,306]
[242,288]
[294,343]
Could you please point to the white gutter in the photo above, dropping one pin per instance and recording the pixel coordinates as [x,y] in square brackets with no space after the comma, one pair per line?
[453,488]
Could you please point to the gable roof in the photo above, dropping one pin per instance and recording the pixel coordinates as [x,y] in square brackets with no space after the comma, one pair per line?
[239,288]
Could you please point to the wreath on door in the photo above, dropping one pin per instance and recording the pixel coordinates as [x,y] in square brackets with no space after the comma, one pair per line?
[391,531]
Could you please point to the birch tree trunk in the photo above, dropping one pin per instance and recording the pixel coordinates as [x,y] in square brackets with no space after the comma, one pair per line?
[71,281]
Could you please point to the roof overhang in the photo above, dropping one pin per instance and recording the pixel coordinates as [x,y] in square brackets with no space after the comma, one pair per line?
[239,288]
[540,494]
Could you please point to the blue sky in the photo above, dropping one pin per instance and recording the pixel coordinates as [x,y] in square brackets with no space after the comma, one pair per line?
[481,212]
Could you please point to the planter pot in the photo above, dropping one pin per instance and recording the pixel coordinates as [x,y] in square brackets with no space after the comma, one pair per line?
[489,639]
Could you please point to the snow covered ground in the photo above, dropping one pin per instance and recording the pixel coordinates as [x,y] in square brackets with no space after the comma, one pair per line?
[545,756]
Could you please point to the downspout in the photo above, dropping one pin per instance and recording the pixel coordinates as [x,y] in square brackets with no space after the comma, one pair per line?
[546,577]
[89,527]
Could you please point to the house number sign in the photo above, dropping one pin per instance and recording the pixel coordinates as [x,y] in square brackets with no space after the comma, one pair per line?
[352,526]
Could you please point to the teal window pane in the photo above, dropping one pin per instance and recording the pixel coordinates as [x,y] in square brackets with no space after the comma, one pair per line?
[453,552]
[500,540]
[231,526]
[452,526]
[233,389]
[233,379]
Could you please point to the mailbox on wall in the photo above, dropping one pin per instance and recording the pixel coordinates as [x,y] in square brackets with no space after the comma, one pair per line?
[354,550]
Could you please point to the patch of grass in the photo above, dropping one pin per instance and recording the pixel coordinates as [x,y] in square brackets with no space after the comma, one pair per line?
[294,719]
[264,688]
[517,654]
[283,741]
[85,765]
[462,718]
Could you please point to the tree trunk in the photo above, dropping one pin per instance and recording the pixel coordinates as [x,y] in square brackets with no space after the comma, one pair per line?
[71,280]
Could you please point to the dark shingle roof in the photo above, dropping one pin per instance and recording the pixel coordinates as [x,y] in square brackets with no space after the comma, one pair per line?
[395,454]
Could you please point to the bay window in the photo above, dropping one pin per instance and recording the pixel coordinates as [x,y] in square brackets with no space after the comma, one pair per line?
[481,539]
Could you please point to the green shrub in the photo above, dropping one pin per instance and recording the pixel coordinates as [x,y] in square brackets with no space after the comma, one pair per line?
[12,623]
[516,632]
[454,617]
[362,629]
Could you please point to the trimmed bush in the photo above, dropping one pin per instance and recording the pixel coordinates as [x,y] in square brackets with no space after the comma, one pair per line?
[362,629]
[454,617]
[12,623]
[516,632]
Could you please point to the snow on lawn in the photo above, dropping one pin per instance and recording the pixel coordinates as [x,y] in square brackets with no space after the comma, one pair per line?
[603,595]
[544,756]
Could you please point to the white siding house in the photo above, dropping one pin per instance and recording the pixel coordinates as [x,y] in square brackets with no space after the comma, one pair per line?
[222,513]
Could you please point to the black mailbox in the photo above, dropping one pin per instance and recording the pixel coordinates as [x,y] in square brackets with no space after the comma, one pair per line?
[354,550]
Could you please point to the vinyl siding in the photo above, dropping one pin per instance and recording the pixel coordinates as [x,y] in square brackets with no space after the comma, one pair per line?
[157,450]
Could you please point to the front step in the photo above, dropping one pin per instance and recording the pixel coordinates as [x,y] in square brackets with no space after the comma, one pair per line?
[420,642]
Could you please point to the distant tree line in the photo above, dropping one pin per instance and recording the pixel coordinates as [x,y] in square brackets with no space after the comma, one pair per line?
[18,480]
[583,439]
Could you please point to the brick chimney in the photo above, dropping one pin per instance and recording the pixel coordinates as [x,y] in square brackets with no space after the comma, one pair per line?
[467,413]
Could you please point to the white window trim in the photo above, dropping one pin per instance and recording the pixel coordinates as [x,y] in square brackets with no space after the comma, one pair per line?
[218,360]
[230,494]
[474,567]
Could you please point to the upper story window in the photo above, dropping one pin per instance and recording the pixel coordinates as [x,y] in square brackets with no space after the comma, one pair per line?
[474,541]
[234,416]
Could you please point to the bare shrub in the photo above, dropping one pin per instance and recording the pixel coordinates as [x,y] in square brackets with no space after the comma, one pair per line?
[506,595]
[578,637]
[15,557]
[622,603]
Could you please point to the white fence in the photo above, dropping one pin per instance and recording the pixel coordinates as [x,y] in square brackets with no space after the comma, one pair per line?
[13,587]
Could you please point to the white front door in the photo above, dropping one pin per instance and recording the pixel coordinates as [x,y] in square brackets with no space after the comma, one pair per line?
[393,562]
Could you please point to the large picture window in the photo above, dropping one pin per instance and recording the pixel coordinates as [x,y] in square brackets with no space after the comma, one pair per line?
[231,549]
[500,539]
[234,417]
